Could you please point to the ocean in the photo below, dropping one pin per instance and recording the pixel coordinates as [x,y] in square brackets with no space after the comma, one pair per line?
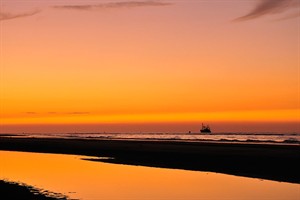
[274,138]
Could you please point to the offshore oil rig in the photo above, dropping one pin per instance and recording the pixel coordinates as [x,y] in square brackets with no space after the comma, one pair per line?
[205,129]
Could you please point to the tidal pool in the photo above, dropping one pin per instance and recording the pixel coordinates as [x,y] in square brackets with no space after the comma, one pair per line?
[83,179]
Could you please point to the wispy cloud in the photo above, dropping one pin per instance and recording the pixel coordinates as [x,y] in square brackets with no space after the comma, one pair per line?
[78,113]
[52,112]
[31,113]
[57,113]
[89,7]
[266,7]
[8,16]
[113,5]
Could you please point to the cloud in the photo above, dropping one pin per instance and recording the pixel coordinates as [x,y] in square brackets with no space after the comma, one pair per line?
[101,6]
[52,112]
[58,113]
[78,113]
[266,7]
[113,5]
[7,16]
[31,113]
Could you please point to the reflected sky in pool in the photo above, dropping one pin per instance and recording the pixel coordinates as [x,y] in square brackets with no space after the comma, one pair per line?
[83,179]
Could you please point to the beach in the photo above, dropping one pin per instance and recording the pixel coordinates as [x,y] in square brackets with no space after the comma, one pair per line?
[149,99]
[11,190]
[263,161]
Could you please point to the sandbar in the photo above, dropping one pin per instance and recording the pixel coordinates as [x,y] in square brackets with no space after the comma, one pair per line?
[263,161]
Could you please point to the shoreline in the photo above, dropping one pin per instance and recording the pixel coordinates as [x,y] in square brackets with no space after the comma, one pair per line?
[114,136]
[264,161]
[14,190]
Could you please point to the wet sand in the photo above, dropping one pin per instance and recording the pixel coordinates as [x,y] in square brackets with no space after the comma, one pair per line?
[264,161]
[11,190]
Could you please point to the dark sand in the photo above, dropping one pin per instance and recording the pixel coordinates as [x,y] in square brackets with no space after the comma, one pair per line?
[264,161]
[15,191]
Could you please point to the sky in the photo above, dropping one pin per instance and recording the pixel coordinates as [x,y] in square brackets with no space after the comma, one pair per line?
[149,65]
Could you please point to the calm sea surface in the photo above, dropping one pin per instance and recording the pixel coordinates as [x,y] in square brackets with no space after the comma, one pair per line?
[286,138]
[88,180]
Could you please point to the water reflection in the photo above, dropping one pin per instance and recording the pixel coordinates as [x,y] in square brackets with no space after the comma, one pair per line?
[83,179]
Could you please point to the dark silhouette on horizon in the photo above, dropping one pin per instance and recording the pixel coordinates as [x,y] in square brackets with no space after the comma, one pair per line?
[205,129]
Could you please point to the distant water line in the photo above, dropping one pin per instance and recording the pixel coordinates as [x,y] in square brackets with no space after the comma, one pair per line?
[255,137]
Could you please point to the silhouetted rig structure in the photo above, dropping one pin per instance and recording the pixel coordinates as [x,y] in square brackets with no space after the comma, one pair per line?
[205,129]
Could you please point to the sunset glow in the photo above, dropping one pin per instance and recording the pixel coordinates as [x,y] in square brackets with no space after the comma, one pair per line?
[140,62]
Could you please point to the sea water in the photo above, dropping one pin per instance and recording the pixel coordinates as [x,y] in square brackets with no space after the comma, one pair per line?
[256,137]
[88,180]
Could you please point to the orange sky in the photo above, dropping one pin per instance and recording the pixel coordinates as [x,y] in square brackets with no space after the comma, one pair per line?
[134,62]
